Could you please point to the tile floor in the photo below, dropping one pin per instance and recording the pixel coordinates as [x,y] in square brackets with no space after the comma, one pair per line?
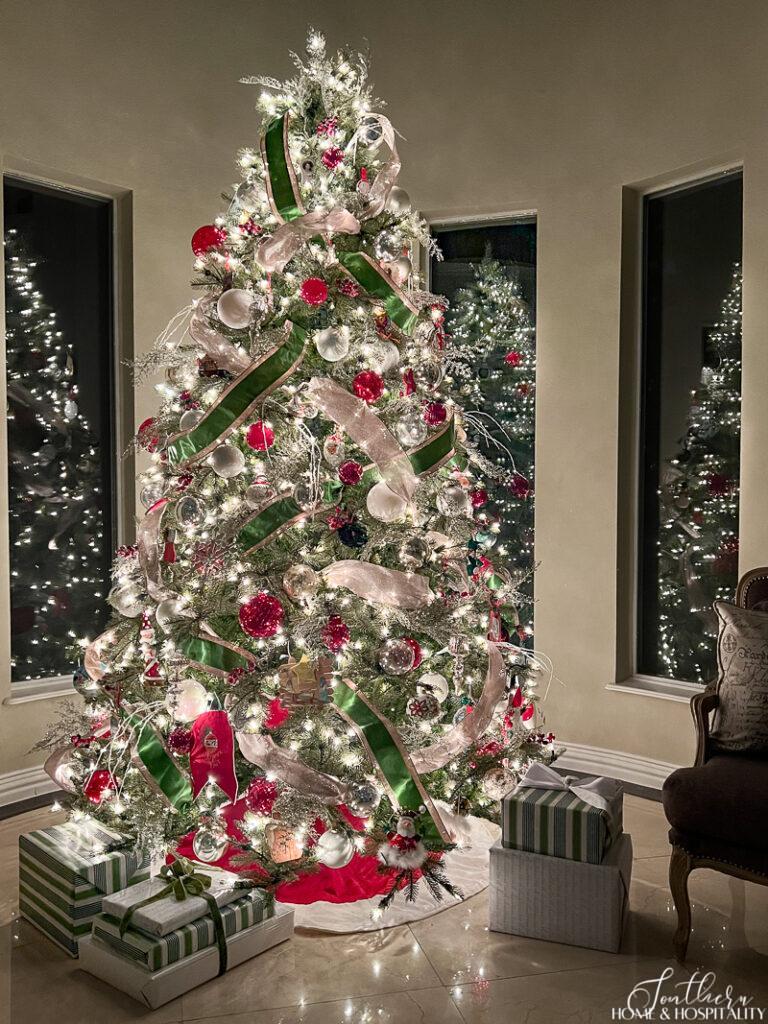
[448,969]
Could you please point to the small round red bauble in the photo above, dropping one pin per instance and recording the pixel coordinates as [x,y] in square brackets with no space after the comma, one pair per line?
[261,616]
[100,786]
[479,497]
[260,796]
[435,413]
[519,486]
[260,436]
[146,436]
[718,484]
[206,238]
[368,385]
[416,648]
[335,634]
[314,291]
[512,358]
[350,472]
[181,741]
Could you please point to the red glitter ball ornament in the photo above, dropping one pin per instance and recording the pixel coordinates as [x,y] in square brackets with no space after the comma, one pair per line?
[206,238]
[519,486]
[181,741]
[435,413]
[100,786]
[261,795]
[332,157]
[416,648]
[479,497]
[368,385]
[146,437]
[261,616]
[512,358]
[349,288]
[314,291]
[718,484]
[350,472]
[260,436]
[335,634]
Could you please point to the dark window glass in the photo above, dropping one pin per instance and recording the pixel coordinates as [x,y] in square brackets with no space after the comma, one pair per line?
[488,273]
[60,386]
[690,424]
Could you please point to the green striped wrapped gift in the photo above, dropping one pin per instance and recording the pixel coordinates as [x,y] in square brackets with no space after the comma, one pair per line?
[66,870]
[155,952]
[559,824]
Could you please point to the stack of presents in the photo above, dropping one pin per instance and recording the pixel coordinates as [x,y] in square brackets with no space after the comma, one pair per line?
[154,936]
[562,867]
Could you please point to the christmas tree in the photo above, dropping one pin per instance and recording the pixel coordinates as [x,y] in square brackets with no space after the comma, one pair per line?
[699,507]
[309,666]
[56,528]
[492,360]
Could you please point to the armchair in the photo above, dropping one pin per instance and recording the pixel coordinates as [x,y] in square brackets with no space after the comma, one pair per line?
[717,809]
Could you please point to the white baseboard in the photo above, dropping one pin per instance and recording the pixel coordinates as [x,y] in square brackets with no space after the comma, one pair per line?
[633,768]
[25,784]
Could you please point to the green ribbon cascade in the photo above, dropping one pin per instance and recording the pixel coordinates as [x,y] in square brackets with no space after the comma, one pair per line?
[158,762]
[184,881]
[213,655]
[373,280]
[379,735]
[435,452]
[283,187]
[238,400]
[268,522]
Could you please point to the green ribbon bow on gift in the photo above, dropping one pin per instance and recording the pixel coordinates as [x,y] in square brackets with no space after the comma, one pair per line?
[182,881]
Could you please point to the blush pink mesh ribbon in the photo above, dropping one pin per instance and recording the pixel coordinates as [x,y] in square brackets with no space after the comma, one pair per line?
[274,252]
[380,585]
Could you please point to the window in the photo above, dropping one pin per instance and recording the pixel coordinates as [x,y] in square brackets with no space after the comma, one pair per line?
[59,344]
[488,273]
[690,423]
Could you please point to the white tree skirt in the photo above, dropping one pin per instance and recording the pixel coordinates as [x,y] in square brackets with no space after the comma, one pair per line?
[466,866]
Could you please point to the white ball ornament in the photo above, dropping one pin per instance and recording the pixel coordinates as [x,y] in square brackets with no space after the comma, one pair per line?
[454,501]
[334,849]
[384,357]
[187,700]
[400,269]
[234,308]
[190,419]
[227,461]
[383,504]
[434,683]
[398,201]
[333,343]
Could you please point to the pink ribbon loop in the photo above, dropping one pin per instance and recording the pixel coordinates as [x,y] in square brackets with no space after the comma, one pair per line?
[277,250]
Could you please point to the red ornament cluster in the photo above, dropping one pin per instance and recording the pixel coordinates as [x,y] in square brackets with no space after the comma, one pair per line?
[348,287]
[260,436]
[146,436]
[327,127]
[478,497]
[261,795]
[181,741]
[207,238]
[313,291]
[519,486]
[335,634]
[100,786]
[261,616]
[350,472]
[368,385]
[512,358]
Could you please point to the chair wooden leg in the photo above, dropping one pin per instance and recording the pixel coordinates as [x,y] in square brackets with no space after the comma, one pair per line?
[680,866]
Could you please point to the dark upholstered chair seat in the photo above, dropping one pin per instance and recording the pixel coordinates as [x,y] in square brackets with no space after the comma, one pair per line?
[702,848]
[724,799]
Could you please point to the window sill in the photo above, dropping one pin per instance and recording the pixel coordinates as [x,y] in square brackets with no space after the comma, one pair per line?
[657,686]
[40,689]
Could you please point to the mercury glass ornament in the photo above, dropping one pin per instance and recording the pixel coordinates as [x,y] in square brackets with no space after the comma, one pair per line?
[370,131]
[414,552]
[259,493]
[227,461]
[411,429]
[234,308]
[383,504]
[188,511]
[384,356]
[169,610]
[497,782]
[454,501]
[190,419]
[396,657]
[209,845]
[127,599]
[362,798]
[305,495]
[388,245]
[398,201]
[300,582]
[70,409]
[334,450]
[434,683]
[332,343]
[334,849]
[150,494]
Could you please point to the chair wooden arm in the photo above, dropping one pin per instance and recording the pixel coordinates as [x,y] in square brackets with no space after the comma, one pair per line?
[701,707]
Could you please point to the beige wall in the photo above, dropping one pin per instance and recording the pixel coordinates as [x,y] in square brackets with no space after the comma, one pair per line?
[552,105]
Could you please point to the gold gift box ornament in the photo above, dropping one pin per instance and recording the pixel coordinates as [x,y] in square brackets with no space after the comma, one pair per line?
[304,683]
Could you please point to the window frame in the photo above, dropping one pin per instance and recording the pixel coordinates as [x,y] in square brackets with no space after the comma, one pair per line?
[122,462]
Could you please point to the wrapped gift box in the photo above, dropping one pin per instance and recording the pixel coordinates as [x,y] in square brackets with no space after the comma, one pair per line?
[164,915]
[156,951]
[154,988]
[559,823]
[561,900]
[65,872]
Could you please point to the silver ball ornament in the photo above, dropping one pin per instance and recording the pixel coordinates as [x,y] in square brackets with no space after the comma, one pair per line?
[411,429]
[454,501]
[362,798]
[128,600]
[300,582]
[497,782]
[396,657]
[414,552]
[398,201]
[370,131]
[150,494]
[188,511]
[332,343]
[259,493]
[227,461]
[388,245]
[209,845]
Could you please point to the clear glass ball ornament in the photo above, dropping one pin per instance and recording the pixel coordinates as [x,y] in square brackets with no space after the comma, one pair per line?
[300,582]
[362,798]
[334,450]
[169,610]
[497,782]
[302,407]
[150,494]
[190,419]
[188,511]
[127,599]
[246,716]
[396,657]
[332,343]
[388,245]
[410,428]
[428,374]
[383,357]
[434,683]
[259,493]
[227,461]
[209,845]
[371,131]
[454,501]
[306,495]
[414,552]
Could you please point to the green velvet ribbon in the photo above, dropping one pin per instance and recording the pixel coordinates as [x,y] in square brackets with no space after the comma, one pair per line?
[268,522]
[214,655]
[238,400]
[436,452]
[373,280]
[174,784]
[379,736]
[283,187]
[184,881]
